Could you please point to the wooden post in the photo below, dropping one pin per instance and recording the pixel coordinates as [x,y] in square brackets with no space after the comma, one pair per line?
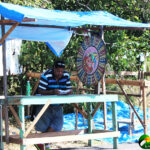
[22,129]
[5,83]
[1,128]
[104,104]
[144,109]
[130,103]
[114,122]
[83,116]
[37,118]
[15,115]
[89,106]
[76,110]
[130,126]
[97,91]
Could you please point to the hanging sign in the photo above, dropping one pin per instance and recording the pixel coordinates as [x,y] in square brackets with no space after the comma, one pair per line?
[91,60]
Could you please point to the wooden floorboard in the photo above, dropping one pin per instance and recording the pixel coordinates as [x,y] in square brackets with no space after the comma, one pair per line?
[73,135]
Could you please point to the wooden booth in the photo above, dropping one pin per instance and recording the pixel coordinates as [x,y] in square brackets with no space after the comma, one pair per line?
[57,27]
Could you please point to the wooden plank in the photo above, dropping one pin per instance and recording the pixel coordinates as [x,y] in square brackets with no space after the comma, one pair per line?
[76,118]
[78,108]
[15,115]
[104,103]
[147,83]
[83,28]
[90,123]
[13,139]
[74,78]
[114,122]
[100,131]
[33,74]
[122,73]
[29,19]
[12,21]
[120,93]
[61,137]
[38,75]
[65,99]
[84,89]
[35,87]
[125,82]
[37,118]
[29,141]
[1,128]
[146,73]
[144,110]
[5,82]
[95,110]
[16,138]
[8,32]
[130,103]
[60,133]
[22,119]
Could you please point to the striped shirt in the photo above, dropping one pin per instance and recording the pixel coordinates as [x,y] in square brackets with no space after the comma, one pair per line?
[48,81]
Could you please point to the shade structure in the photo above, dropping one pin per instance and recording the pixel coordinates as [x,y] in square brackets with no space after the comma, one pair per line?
[57,38]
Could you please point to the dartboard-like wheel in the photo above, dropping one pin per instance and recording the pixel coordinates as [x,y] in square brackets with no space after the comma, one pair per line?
[91,60]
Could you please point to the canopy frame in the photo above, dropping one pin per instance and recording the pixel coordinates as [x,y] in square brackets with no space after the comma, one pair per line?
[14,25]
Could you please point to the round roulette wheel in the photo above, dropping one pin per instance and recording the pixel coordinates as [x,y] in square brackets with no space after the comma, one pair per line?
[91,60]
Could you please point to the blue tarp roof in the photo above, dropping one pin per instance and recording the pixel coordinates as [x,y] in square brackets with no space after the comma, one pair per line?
[64,18]
[57,18]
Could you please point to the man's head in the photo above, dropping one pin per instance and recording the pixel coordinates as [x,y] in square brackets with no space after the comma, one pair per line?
[59,67]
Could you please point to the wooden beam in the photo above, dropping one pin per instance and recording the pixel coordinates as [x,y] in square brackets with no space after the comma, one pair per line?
[122,73]
[124,82]
[146,83]
[7,21]
[15,115]
[16,138]
[33,74]
[77,107]
[74,78]
[120,93]
[60,133]
[13,139]
[8,32]
[144,110]
[35,87]
[29,19]
[95,110]
[30,141]
[37,118]
[146,73]
[75,135]
[86,28]
[130,102]
[107,80]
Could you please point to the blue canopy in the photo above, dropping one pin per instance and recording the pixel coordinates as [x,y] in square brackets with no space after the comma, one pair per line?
[57,38]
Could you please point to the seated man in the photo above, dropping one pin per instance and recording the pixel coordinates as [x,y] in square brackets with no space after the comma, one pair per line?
[54,81]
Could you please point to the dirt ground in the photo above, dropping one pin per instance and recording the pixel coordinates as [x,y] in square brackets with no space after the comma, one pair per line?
[60,145]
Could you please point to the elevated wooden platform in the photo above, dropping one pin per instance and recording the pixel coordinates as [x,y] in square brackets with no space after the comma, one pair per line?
[26,138]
